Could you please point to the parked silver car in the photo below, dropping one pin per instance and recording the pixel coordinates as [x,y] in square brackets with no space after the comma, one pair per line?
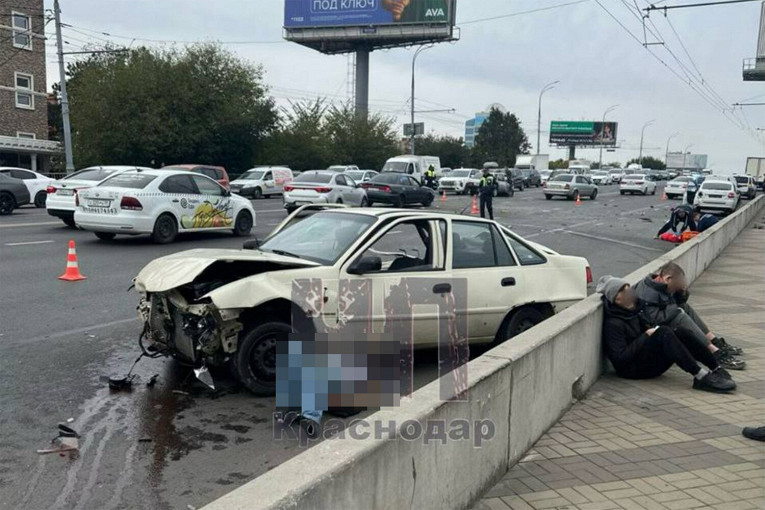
[323,187]
[570,186]
[361,175]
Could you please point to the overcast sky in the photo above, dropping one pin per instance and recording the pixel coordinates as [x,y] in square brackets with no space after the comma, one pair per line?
[506,61]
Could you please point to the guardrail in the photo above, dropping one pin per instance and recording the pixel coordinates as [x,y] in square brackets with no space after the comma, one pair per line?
[522,386]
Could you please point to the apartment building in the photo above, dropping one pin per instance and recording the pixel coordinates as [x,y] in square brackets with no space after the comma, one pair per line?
[23,100]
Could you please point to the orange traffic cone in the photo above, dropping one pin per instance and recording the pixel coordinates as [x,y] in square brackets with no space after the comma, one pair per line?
[578,200]
[72,273]
[443,196]
[663,197]
[474,207]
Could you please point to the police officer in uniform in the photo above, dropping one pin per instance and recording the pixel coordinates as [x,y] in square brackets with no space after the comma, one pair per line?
[430,177]
[486,188]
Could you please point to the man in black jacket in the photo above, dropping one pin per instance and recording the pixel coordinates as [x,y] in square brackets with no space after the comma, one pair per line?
[639,350]
[664,302]
[681,219]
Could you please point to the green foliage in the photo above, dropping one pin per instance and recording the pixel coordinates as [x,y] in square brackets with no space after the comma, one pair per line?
[367,143]
[614,164]
[649,162]
[558,164]
[199,105]
[450,150]
[501,138]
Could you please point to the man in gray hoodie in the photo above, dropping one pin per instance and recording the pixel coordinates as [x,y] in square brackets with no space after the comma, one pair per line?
[664,301]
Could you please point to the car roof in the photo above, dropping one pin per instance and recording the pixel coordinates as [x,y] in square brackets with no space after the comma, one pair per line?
[190,166]
[115,167]
[163,172]
[381,212]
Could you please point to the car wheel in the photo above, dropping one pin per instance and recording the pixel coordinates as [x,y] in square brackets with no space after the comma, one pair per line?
[645,191]
[243,224]
[548,197]
[400,202]
[370,204]
[256,194]
[254,363]
[290,210]
[40,199]
[7,204]
[364,202]
[69,222]
[428,201]
[105,236]
[594,195]
[165,229]
[654,191]
[622,192]
[522,320]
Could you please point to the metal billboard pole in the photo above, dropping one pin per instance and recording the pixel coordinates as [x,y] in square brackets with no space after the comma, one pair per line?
[362,83]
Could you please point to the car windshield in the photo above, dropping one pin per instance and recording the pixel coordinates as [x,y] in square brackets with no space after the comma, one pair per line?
[387,178]
[634,177]
[681,179]
[132,181]
[355,175]
[314,177]
[255,175]
[717,186]
[336,168]
[545,173]
[90,174]
[396,166]
[742,179]
[562,178]
[322,237]
[599,173]
[460,173]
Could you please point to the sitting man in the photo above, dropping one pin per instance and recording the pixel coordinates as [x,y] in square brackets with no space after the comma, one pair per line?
[639,350]
[680,220]
[664,301]
[704,221]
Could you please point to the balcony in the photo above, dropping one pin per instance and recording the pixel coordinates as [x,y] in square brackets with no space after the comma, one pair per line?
[754,69]
[29,145]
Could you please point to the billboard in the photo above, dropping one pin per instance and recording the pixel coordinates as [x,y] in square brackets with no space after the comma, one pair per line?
[594,134]
[688,161]
[345,13]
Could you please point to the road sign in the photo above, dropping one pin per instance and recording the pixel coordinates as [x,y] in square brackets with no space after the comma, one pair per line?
[419,129]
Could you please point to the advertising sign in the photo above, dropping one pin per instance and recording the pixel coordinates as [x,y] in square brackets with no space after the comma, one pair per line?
[419,129]
[598,134]
[344,13]
[678,160]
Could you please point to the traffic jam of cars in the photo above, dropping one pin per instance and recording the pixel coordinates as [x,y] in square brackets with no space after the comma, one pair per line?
[214,307]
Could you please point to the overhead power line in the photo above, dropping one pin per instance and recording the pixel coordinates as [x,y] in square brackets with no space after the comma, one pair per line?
[703,4]
[521,13]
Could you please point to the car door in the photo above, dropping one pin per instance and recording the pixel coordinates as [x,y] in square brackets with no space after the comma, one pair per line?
[183,199]
[216,210]
[495,284]
[345,190]
[409,279]
[269,183]
[418,190]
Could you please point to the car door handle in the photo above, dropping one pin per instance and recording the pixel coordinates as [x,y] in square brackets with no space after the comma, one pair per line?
[508,282]
[175,200]
[442,288]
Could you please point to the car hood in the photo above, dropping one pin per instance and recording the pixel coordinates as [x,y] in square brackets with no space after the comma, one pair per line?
[166,273]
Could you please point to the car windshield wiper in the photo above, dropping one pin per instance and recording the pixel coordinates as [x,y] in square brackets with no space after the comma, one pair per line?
[286,254]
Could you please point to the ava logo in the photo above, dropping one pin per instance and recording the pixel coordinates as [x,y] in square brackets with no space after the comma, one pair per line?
[435,13]
[184,203]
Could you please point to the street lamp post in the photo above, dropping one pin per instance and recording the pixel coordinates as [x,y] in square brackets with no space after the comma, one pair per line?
[414,60]
[685,153]
[608,110]
[642,136]
[666,152]
[539,113]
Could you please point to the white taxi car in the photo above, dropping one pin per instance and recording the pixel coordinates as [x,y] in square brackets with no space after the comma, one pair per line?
[677,187]
[61,193]
[347,267]
[637,183]
[717,194]
[37,184]
[162,203]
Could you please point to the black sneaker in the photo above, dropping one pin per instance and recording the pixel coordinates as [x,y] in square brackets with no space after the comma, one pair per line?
[727,348]
[756,433]
[714,382]
[729,362]
[722,372]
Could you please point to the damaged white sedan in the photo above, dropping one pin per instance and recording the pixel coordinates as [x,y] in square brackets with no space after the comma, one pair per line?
[338,266]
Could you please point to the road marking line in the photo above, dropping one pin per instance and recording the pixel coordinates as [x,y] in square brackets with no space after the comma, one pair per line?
[31,224]
[28,243]
[81,330]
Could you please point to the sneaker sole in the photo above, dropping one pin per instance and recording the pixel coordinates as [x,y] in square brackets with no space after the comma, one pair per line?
[727,367]
[713,390]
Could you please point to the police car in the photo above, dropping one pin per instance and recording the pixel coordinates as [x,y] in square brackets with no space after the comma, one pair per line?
[163,204]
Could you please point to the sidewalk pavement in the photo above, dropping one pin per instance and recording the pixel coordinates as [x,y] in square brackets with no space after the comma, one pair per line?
[658,444]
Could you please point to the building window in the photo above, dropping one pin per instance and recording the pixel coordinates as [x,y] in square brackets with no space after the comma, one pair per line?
[24,91]
[29,136]
[22,31]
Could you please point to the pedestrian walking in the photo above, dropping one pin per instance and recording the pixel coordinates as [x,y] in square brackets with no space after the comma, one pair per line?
[486,187]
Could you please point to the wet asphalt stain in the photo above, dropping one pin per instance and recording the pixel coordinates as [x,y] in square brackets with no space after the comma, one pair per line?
[242,429]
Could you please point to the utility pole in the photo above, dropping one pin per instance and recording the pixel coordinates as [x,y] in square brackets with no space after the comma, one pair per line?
[539,114]
[414,60]
[64,96]
[642,135]
[609,110]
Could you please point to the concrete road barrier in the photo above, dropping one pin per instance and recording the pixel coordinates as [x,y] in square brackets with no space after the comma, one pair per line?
[522,387]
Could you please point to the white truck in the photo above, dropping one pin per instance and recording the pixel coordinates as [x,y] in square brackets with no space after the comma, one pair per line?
[536,162]
[755,167]
[413,165]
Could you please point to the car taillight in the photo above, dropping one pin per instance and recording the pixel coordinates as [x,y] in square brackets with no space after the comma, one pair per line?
[50,189]
[385,189]
[322,190]
[731,195]
[288,188]
[588,273]
[568,186]
[131,204]
[366,185]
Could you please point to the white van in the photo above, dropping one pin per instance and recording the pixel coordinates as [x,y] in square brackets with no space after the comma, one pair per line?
[413,165]
[262,181]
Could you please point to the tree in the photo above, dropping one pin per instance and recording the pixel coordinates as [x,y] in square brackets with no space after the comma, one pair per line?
[367,143]
[558,164]
[649,162]
[301,141]
[500,139]
[614,164]
[198,105]
[450,150]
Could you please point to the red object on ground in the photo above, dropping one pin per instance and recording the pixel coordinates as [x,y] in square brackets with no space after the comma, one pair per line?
[688,235]
[72,273]
[670,237]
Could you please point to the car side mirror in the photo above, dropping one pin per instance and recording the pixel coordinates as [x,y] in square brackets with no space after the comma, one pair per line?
[252,244]
[365,265]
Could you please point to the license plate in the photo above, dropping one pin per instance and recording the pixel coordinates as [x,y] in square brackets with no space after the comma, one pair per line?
[99,203]
[715,196]
[65,192]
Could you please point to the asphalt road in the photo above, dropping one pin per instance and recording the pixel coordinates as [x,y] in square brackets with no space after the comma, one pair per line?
[177,444]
